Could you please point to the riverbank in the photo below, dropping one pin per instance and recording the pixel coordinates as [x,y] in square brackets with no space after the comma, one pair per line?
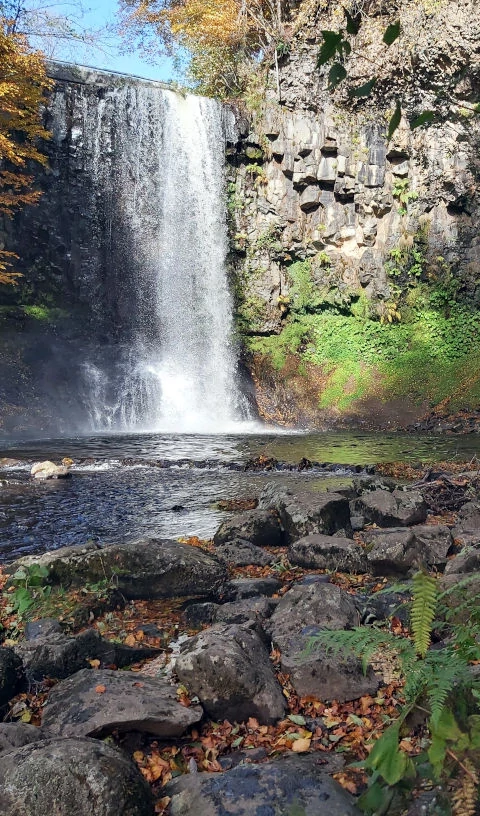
[249,601]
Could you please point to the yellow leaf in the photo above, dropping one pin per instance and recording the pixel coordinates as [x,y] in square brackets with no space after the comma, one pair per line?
[300,746]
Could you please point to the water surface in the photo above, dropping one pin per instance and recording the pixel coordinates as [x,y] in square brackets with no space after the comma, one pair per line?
[124,486]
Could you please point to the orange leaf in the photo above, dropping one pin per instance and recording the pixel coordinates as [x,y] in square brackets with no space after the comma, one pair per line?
[100,689]
[300,746]
[95,664]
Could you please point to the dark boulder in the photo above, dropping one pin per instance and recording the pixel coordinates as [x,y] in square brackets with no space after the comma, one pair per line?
[304,512]
[286,787]
[148,568]
[401,508]
[16,734]
[396,551]
[71,776]
[300,615]
[241,553]
[95,703]
[240,588]
[328,552]
[229,670]
[59,655]
[11,674]
[260,527]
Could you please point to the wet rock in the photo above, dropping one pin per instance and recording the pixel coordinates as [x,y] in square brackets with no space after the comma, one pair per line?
[328,552]
[290,785]
[259,527]
[250,588]
[16,734]
[241,553]
[72,776]
[148,568]
[303,513]
[258,609]
[11,674]
[229,669]
[58,655]
[396,509]
[398,550]
[300,615]
[97,702]
[49,470]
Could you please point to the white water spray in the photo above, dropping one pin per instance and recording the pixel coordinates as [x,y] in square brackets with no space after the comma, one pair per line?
[160,170]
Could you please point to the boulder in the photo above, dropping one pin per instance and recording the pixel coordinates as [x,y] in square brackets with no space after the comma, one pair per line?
[96,702]
[229,670]
[258,609]
[260,527]
[304,512]
[197,614]
[147,568]
[49,470]
[241,553]
[300,615]
[58,655]
[312,606]
[72,776]
[11,674]
[467,528]
[326,676]
[400,508]
[396,551]
[16,734]
[328,552]
[287,786]
[240,588]
[467,560]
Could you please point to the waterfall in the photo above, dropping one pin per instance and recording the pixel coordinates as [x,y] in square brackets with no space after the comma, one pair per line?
[155,163]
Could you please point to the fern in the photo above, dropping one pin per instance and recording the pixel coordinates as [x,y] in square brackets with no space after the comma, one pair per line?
[362,641]
[423,610]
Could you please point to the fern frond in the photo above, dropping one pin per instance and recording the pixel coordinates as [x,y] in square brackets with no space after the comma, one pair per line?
[424,603]
[363,642]
[444,670]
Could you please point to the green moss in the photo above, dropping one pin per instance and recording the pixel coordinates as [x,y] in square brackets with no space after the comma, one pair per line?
[45,314]
[432,356]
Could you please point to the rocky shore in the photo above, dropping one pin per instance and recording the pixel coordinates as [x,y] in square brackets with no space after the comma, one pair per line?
[160,676]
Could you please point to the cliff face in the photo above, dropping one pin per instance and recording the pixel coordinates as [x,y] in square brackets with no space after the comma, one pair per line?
[338,231]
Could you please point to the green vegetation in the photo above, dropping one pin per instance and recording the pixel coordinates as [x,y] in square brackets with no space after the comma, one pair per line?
[440,688]
[432,353]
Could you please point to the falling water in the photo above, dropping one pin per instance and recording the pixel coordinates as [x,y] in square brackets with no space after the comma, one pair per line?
[156,160]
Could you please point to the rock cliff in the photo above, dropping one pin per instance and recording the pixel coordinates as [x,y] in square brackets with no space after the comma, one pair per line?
[338,230]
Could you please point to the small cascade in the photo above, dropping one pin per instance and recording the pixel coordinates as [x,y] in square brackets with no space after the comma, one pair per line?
[156,164]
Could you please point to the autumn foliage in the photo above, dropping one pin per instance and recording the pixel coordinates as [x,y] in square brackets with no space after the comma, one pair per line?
[220,36]
[23,82]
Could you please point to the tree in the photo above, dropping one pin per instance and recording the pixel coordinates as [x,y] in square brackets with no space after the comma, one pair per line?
[59,30]
[23,82]
[220,36]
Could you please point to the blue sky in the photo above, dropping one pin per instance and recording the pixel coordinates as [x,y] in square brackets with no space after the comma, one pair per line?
[111,58]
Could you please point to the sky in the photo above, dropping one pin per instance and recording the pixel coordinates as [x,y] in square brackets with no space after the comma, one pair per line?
[99,14]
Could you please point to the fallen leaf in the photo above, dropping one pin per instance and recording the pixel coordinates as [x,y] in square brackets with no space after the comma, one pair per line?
[95,664]
[100,689]
[300,746]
